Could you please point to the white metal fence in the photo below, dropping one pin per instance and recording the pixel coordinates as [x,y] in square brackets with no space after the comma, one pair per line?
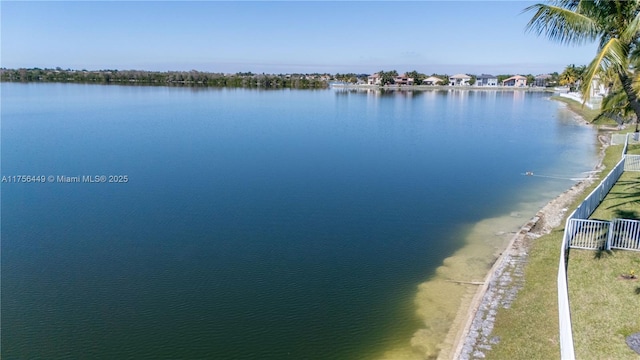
[625,234]
[604,235]
[583,211]
[588,234]
[628,138]
[591,202]
[564,314]
[618,139]
[595,234]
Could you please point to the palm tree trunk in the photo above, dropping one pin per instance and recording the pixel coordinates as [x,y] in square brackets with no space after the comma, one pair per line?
[631,95]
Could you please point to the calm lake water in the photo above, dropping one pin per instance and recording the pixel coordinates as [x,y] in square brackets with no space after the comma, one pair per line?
[253,224]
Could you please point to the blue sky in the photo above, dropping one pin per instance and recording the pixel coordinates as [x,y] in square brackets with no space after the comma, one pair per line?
[281,37]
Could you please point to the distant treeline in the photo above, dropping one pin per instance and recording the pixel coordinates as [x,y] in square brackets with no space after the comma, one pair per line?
[179,78]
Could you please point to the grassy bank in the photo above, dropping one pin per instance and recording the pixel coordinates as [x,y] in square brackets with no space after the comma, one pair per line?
[623,201]
[587,114]
[604,305]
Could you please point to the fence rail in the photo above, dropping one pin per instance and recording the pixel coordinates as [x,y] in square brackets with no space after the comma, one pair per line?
[564,311]
[591,202]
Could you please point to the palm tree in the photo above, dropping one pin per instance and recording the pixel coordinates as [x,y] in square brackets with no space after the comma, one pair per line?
[569,77]
[614,23]
[388,77]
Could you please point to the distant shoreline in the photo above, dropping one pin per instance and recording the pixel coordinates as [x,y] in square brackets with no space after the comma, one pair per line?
[439,87]
[198,79]
[280,86]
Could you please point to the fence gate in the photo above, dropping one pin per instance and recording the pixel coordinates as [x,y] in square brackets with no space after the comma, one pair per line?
[625,234]
[588,234]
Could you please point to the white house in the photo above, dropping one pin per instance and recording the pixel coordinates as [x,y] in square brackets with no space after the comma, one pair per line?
[598,89]
[542,80]
[374,79]
[459,80]
[515,81]
[486,80]
[432,80]
[403,80]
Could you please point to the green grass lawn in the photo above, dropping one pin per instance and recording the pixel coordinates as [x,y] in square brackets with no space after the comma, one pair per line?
[605,308]
[529,329]
[633,149]
[623,201]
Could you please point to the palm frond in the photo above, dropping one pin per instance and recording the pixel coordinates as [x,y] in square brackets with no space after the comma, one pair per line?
[616,99]
[613,54]
[615,106]
[561,24]
[632,30]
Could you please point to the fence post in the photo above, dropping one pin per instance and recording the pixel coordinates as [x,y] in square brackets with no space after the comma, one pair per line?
[610,235]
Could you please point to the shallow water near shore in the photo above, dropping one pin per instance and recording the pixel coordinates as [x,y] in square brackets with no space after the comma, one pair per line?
[443,300]
[270,224]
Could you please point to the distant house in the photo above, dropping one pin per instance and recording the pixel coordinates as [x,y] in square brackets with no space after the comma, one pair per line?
[403,80]
[515,81]
[486,80]
[374,79]
[598,88]
[432,80]
[542,80]
[459,80]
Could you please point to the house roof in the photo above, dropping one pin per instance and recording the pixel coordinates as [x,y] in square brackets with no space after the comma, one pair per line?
[432,79]
[460,76]
[516,77]
[486,76]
